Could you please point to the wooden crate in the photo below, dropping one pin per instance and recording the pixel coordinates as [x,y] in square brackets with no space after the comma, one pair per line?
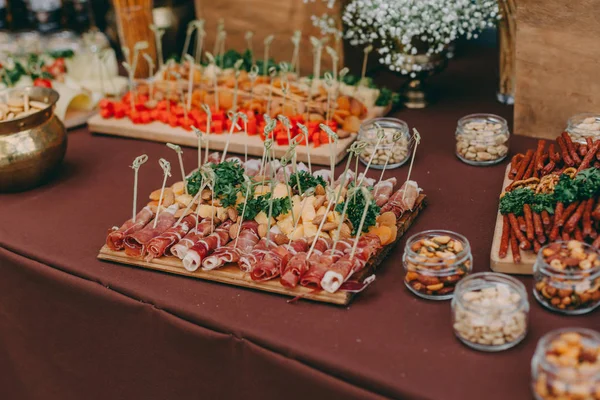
[558,58]
[232,275]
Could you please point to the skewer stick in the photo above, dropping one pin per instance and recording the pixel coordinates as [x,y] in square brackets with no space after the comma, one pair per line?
[179,152]
[334,60]
[396,137]
[137,163]
[292,152]
[363,73]
[206,109]
[317,50]
[285,84]
[329,80]
[271,199]
[417,139]
[333,138]
[151,75]
[191,62]
[158,34]
[355,149]
[303,196]
[220,27]
[211,61]
[233,117]
[331,201]
[269,127]
[130,84]
[241,220]
[191,26]
[181,94]
[304,131]
[252,75]
[351,194]
[295,63]
[198,133]
[223,36]
[343,72]
[248,36]
[244,119]
[200,34]
[367,196]
[267,43]
[272,73]
[236,67]
[380,136]
[268,147]
[285,160]
[166,167]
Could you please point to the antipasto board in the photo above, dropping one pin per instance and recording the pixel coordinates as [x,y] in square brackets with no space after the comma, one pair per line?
[159,132]
[232,275]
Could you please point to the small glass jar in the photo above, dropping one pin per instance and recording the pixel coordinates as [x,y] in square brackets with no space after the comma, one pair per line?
[584,125]
[566,365]
[490,311]
[567,277]
[435,261]
[393,150]
[482,139]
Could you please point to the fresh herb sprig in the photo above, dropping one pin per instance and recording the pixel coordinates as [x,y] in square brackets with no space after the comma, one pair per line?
[354,212]
[307,181]
[254,206]
[229,176]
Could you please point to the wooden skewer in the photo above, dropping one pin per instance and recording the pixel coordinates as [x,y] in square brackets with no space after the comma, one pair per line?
[211,61]
[331,202]
[351,193]
[158,34]
[233,116]
[236,67]
[304,130]
[198,133]
[137,163]
[188,35]
[332,148]
[223,36]
[252,75]
[334,60]
[179,152]
[417,139]
[166,167]
[200,35]
[151,75]
[241,220]
[220,27]
[285,160]
[191,62]
[380,136]
[267,43]
[296,40]
[244,119]
[206,109]
[248,36]
[272,73]
[367,195]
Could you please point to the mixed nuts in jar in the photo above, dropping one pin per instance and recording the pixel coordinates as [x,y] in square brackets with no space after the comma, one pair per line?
[490,311]
[435,261]
[567,277]
[566,365]
[583,126]
[482,139]
[392,151]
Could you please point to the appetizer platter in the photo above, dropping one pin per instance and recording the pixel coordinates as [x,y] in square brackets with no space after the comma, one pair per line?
[269,224]
[549,194]
[63,65]
[201,91]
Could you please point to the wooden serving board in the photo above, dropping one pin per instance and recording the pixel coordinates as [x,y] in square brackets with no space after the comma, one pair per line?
[160,132]
[507,265]
[232,275]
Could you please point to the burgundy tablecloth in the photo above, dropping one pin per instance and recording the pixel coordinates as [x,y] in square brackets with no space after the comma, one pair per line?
[73,327]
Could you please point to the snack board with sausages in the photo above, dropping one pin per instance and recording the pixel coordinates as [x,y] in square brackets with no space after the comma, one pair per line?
[551,193]
[269,227]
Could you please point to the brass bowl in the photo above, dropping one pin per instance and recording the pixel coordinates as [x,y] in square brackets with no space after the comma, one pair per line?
[31,147]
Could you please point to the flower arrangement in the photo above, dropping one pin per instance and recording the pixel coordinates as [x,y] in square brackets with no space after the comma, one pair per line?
[400,28]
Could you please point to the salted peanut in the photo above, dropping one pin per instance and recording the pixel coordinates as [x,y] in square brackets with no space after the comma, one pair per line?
[442,239]
[233,230]
[178,188]
[329,226]
[262,230]
[183,211]
[232,214]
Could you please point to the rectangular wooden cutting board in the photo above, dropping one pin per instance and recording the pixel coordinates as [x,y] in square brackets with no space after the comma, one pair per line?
[507,265]
[160,132]
[232,275]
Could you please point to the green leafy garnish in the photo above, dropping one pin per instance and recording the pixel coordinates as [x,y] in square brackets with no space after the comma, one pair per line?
[281,206]
[229,176]
[354,212]
[387,97]
[513,202]
[307,181]
[64,53]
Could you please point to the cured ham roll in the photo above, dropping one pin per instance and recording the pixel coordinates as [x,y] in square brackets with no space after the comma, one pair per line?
[310,273]
[276,259]
[159,245]
[135,243]
[201,230]
[115,237]
[252,167]
[231,253]
[347,265]
[323,173]
[383,190]
[366,181]
[204,247]
[349,177]
[398,205]
[249,260]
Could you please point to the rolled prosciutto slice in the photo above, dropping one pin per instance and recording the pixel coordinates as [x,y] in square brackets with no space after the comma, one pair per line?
[159,245]
[232,252]
[348,264]
[383,190]
[115,237]
[297,265]
[252,167]
[276,259]
[135,243]
[397,205]
[311,273]
[201,230]
[249,260]
[203,247]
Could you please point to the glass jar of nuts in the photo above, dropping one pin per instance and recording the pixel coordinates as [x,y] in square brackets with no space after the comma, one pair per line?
[482,139]
[490,311]
[566,365]
[583,126]
[434,262]
[394,148]
[567,277]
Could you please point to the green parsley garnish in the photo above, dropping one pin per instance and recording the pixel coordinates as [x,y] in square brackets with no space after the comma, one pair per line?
[307,181]
[281,206]
[354,212]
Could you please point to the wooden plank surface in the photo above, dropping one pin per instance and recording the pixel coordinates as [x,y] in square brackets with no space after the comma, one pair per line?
[558,53]
[507,265]
[232,275]
[159,132]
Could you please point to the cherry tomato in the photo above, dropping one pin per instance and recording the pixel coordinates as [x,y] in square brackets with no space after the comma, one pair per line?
[41,82]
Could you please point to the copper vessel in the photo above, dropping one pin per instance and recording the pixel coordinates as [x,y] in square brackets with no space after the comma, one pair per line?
[31,147]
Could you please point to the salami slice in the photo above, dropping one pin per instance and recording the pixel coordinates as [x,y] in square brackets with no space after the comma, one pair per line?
[115,237]
[135,243]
